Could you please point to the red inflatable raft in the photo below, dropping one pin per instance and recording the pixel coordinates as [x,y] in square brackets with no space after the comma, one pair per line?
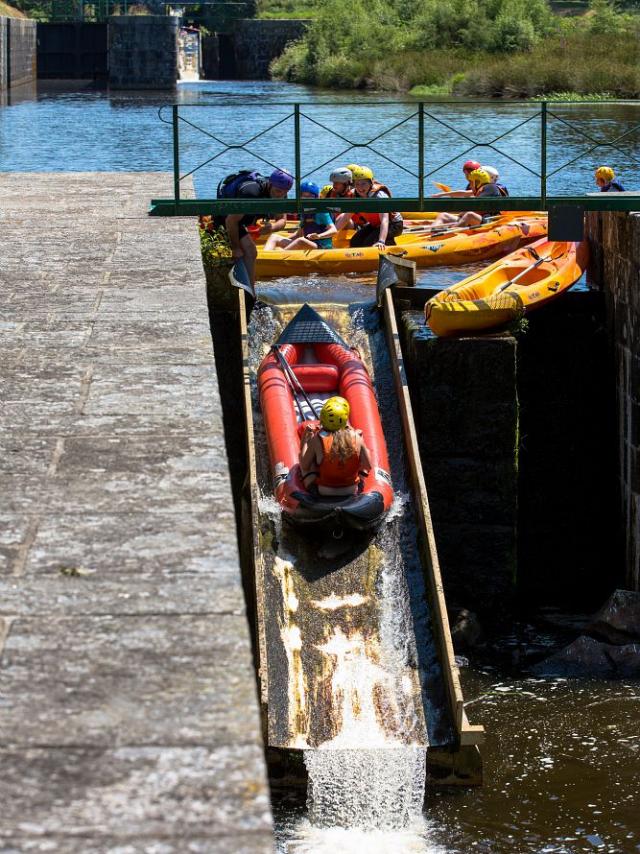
[324,366]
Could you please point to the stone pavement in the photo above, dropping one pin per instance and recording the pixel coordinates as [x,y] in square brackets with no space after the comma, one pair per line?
[128,711]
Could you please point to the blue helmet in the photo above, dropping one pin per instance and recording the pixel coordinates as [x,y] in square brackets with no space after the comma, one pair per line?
[310,187]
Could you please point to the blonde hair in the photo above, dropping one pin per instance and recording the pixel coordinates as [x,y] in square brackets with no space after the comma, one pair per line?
[343,445]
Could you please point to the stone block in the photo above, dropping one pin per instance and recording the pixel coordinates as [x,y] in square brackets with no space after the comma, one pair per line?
[207,793]
[122,680]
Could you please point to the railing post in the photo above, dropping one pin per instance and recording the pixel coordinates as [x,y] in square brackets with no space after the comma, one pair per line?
[421,154]
[176,156]
[296,132]
[543,155]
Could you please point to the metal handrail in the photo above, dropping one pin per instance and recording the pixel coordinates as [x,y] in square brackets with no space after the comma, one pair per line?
[543,201]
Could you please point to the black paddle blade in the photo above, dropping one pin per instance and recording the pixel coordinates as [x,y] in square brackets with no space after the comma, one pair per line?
[307,327]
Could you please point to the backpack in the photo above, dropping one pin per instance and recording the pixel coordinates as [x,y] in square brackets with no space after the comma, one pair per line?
[229,186]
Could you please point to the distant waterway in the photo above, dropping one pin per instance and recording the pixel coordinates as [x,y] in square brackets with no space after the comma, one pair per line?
[65,127]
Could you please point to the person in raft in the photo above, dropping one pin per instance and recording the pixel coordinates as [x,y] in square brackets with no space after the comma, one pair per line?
[481,187]
[493,173]
[315,229]
[373,229]
[333,457]
[250,185]
[341,183]
[467,168]
[605,179]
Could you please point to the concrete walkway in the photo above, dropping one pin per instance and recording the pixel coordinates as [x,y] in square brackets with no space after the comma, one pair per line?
[128,711]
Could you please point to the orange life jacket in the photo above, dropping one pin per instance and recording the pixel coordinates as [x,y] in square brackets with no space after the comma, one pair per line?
[370,217]
[334,472]
[335,195]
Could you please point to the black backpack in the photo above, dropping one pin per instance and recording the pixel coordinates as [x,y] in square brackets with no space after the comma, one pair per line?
[229,186]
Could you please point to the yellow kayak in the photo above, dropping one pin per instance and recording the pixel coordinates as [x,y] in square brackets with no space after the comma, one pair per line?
[449,248]
[505,290]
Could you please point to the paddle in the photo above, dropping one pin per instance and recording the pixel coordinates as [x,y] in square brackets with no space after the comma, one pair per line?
[293,382]
[439,231]
[445,188]
[550,257]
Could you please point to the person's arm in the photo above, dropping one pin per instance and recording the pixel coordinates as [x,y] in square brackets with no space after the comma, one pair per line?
[308,455]
[343,221]
[231,223]
[452,194]
[365,457]
[384,230]
[269,227]
[329,229]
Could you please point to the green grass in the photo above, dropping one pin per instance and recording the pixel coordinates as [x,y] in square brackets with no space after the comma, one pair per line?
[287,9]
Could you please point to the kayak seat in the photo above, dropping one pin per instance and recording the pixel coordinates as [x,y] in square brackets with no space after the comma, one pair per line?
[318,377]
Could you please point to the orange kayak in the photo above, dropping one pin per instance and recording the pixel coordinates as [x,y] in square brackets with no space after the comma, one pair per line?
[504,291]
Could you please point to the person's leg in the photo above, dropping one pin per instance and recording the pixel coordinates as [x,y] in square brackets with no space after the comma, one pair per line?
[249,255]
[343,220]
[366,236]
[302,243]
[445,218]
[395,230]
[275,241]
[469,218]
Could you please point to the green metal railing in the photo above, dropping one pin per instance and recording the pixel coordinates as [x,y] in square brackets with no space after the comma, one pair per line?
[544,112]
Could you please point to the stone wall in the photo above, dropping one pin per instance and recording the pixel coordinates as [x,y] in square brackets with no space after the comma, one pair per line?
[143,52]
[17,52]
[615,241]
[258,42]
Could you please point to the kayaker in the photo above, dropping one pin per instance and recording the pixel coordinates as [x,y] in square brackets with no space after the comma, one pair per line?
[481,187]
[341,183]
[251,185]
[605,179]
[324,191]
[314,231]
[493,173]
[333,457]
[467,168]
[373,229]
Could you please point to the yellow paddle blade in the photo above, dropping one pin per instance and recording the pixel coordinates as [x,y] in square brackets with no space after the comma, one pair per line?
[444,187]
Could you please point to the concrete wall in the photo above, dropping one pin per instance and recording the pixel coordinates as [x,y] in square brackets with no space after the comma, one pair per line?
[258,42]
[615,241]
[72,50]
[517,441]
[17,52]
[143,52]
[4,67]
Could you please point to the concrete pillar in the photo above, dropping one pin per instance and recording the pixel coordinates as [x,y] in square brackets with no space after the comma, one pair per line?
[615,242]
[143,51]
[4,56]
[22,53]
[466,409]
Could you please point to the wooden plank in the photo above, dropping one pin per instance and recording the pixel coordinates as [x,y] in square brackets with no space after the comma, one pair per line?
[425,525]
[251,487]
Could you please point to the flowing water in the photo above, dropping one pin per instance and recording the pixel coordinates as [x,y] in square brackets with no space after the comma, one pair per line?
[562,758]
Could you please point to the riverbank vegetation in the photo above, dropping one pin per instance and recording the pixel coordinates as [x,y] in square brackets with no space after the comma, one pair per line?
[473,48]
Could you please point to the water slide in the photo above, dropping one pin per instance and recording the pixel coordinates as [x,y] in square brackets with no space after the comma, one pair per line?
[355,663]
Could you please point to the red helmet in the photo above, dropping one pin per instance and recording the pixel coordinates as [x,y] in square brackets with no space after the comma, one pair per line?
[470,165]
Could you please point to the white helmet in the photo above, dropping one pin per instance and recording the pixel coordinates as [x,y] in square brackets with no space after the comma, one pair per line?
[342,175]
[492,172]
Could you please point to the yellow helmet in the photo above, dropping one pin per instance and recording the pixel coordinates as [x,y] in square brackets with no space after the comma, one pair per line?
[324,192]
[362,173]
[334,415]
[351,167]
[479,177]
[606,173]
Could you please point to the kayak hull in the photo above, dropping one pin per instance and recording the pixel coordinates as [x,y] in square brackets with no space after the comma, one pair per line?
[446,249]
[486,301]
[324,368]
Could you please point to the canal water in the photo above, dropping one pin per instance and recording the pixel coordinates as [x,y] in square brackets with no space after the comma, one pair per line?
[57,128]
[562,757]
